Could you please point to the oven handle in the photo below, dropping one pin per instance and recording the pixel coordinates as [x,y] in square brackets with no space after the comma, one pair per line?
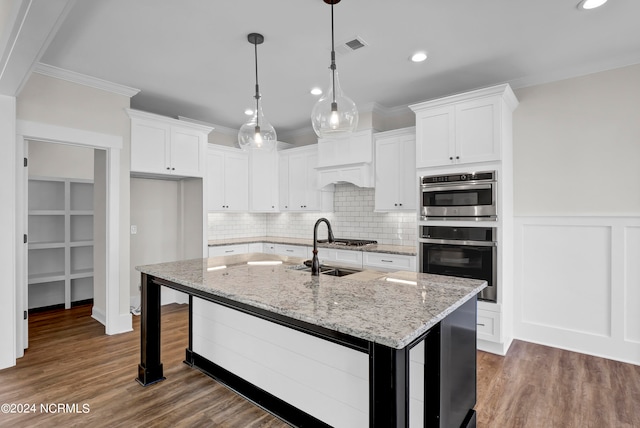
[458,242]
[468,186]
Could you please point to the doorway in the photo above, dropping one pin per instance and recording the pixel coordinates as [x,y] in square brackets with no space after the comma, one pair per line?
[107,153]
[61,226]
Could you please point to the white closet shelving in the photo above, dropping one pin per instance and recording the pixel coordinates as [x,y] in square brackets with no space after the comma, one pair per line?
[60,241]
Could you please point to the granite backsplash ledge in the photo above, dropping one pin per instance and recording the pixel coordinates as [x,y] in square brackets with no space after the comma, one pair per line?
[353,217]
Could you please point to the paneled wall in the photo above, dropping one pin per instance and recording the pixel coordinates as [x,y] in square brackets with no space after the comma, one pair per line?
[578,284]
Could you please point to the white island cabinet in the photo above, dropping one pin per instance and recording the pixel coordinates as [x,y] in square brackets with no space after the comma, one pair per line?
[227,179]
[166,147]
[395,177]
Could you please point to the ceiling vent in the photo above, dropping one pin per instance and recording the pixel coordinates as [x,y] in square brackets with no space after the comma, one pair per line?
[350,45]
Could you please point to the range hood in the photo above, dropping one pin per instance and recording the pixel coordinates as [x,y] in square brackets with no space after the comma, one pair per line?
[346,160]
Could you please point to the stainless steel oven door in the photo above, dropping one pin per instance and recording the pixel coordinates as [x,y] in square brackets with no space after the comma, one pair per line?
[466,259]
[464,201]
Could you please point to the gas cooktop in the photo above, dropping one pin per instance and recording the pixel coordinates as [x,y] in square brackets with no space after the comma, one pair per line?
[348,242]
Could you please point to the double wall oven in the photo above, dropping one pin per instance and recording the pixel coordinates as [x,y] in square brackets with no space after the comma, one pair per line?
[464,251]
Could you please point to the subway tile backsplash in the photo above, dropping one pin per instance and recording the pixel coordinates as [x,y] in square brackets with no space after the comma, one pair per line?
[353,217]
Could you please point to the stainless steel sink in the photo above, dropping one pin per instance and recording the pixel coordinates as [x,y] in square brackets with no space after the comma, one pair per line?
[328,270]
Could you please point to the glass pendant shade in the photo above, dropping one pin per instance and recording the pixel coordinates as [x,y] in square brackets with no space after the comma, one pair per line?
[334,114]
[257,133]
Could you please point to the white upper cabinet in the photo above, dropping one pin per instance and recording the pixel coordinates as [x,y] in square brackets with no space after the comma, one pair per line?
[464,128]
[166,146]
[396,180]
[299,181]
[263,181]
[227,179]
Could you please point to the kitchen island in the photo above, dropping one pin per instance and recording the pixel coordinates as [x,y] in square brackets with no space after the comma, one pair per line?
[368,349]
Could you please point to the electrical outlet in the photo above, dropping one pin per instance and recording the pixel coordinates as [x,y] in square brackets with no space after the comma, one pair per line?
[134,229]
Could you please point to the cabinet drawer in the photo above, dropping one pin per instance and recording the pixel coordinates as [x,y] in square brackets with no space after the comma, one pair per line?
[291,250]
[488,325]
[228,250]
[342,257]
[389,261]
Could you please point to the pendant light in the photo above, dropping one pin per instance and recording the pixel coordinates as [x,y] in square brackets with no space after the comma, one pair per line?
[257,133]
[334,114]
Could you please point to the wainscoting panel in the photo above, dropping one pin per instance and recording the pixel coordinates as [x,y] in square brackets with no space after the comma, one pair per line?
[632,284]
[577,284]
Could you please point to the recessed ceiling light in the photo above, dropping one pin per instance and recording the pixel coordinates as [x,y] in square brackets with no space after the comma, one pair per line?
[419,56]
[590,4]
[316,91]
[248,112]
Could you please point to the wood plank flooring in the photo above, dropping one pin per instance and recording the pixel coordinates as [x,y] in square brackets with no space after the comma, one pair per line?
[71,361]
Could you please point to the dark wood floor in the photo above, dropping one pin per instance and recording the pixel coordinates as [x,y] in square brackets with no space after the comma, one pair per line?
[70,361]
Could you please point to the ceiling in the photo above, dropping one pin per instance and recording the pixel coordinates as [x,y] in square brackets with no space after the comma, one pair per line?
[191,57]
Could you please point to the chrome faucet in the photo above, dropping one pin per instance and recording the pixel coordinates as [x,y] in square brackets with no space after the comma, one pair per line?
[315,263]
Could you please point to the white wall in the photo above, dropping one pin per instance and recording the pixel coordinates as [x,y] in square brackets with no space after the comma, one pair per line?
[60,160]
[155,212]
[8,233]
[577,146]
[577,205]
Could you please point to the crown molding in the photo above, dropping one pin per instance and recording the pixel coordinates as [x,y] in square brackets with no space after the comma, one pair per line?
[218,128]
[83,79]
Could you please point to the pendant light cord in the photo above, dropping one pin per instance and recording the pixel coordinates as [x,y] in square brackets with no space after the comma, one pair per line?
[257,96]
[333,60]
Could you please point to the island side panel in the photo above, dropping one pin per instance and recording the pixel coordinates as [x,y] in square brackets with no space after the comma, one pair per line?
[150,368]
[458,364]
[323,379]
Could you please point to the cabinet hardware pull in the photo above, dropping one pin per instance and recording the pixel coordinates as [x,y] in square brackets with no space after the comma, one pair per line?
[229,251]
[481,325]
[450,157]
[167,167]
[400,204]
[289,251]
[395,205]
[457,157]
[386,261]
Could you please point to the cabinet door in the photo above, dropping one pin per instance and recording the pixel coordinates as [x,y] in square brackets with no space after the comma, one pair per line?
[215,181]
[263,184]
[387,174]
[187,147]
[313,195]
[478,130]
[298,176]
[236,182]
[150,147]
[435,132]
[283,182]
[407,177]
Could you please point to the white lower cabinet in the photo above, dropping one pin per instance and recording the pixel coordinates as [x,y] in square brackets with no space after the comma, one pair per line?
[228,250]
[342,257]
[388,262]
[488,325]
[292,250]
[256,247]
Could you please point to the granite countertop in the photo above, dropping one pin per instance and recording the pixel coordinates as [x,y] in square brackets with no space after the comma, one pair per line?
[374,248]
[365,305]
